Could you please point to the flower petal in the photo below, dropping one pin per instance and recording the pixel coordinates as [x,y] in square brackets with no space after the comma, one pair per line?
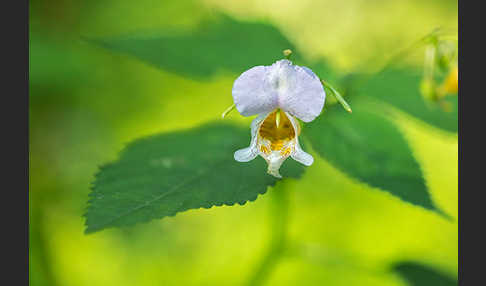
[298,154]
[301,156]
[249,153]
[301,92]
[274,162]
[246,154]
[251,93]
[310,72]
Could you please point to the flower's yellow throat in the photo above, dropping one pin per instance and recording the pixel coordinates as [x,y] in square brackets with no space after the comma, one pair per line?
[277,137]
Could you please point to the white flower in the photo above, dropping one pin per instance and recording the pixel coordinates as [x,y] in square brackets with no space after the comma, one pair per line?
[277,93]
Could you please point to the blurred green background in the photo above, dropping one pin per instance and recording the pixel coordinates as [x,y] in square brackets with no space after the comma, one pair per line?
[86,103]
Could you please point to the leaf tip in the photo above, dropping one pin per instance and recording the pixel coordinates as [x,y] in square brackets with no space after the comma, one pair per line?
[89,230]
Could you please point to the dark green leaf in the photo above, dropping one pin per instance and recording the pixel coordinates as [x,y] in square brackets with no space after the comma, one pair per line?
[371,149]
[226,44]
[419,275]
[162,175]
[401,88]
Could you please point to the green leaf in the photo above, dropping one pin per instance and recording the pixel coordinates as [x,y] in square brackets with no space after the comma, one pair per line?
[223,44]
[401,88]
[369,148]
[419,275]
[57,64]
[165,174]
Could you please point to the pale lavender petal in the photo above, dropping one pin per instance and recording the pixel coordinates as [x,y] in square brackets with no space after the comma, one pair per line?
[300,92]
[298,154]
[301,156]
[251,93]
[310,72]
[249,153]
[246,154]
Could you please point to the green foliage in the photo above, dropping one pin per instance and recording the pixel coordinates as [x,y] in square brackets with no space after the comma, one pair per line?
[224,44]
[401,88]
[363,145]
[320,230]
[165,174]
[371,149]
[54,63]
[419,275]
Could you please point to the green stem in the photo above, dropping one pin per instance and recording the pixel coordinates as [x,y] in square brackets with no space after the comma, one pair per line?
[338,96]
[274,252]
[228,110]
[428,39]
[431,37]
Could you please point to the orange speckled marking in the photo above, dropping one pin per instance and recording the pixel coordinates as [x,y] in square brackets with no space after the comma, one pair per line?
[285,152]
[264,150]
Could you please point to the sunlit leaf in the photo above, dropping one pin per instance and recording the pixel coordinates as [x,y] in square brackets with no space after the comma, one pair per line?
[401,88]
[371,149]
[224,44]
[162,175]
[419,275]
